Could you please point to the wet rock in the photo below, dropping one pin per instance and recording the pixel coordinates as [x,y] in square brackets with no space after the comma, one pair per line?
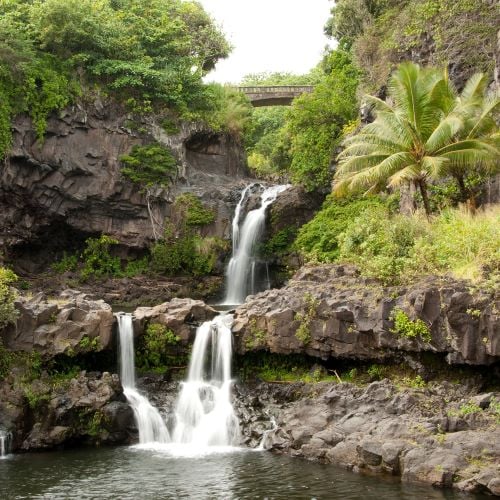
[182,316]
[370,452]
[355,427]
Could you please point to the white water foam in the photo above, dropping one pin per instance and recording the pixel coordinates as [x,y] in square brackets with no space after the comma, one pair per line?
[150,424]
[5,438]
[241,272]
[204,414]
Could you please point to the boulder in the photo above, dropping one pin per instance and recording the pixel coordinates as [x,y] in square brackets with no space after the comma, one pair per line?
[69,323]
[182,316]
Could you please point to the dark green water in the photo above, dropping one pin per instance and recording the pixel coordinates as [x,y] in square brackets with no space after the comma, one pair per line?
[129,473]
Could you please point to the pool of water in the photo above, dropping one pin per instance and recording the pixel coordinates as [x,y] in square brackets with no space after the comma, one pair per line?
[138,473]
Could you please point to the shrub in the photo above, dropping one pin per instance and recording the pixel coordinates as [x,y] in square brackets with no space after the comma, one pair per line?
[319,238]
[279,243]
[192,210]
[89,344]
[190,254]
[137,267]
[149,165]
[402,248]
[6,359]
[156,345]
[97,261]
[67,263]
[8,312]
[303,332]
[406,328]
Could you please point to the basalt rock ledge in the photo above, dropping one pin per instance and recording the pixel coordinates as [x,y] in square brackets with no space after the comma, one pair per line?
[329,311]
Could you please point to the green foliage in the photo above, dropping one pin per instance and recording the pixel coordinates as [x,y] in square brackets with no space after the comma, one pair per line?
[97,261]
[279,368]
[406,328]
[149,165]
[401,248]
[428,132]
[461,33]
[303,332]
[299,142]
[89,344]
[416,382]
[155,350]
[270,79]
[67,263]
[6,360]
[256,337]
[30,81]
[8,312]
[137,267]
[153,51]
[185,251]
[465,409]
[192,210]
[96,424]
[144,54]
[279,243]
[316,120]
[376,372]
[35,397]
[62,378]
[350,18]
[318,240]
[227,110]
[381,245]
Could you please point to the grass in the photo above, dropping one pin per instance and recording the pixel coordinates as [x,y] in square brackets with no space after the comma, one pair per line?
[398,248]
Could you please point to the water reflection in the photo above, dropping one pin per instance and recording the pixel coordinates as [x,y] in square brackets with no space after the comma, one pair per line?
[132,473]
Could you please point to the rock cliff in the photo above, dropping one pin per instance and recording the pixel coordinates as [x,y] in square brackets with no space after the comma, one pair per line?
[56,192]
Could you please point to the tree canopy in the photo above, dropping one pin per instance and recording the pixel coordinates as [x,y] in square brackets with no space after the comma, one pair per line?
[142,53]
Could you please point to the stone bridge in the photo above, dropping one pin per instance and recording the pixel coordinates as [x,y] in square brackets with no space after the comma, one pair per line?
[276,95]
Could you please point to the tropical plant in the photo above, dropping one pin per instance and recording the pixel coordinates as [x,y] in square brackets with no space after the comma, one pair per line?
[424,131]
[8,312]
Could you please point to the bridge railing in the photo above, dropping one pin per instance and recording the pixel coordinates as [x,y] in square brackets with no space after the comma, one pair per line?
[276,89]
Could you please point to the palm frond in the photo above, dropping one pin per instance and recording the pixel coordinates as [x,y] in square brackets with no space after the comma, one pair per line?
[445,132]
[475,87]
[409,173]
[435,166]
[358,164]
[485,115]
[378,104]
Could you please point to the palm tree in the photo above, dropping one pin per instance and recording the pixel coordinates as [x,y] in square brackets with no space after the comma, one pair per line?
[424,131]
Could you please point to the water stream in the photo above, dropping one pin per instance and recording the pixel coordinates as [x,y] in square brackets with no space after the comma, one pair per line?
[150,424]
[5,438]
[241,276]
[204,415]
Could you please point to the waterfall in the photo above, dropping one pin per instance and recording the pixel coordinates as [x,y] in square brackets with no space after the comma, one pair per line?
[151,426]
[241,272]
[4,443]
[204,413]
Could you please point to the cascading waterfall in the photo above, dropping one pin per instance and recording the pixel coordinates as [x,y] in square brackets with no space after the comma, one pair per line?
[5,438]
[151,426]
[241,272]
[204,413]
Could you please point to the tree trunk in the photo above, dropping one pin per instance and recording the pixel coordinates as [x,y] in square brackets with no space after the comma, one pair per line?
[464,193]
[425,198]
